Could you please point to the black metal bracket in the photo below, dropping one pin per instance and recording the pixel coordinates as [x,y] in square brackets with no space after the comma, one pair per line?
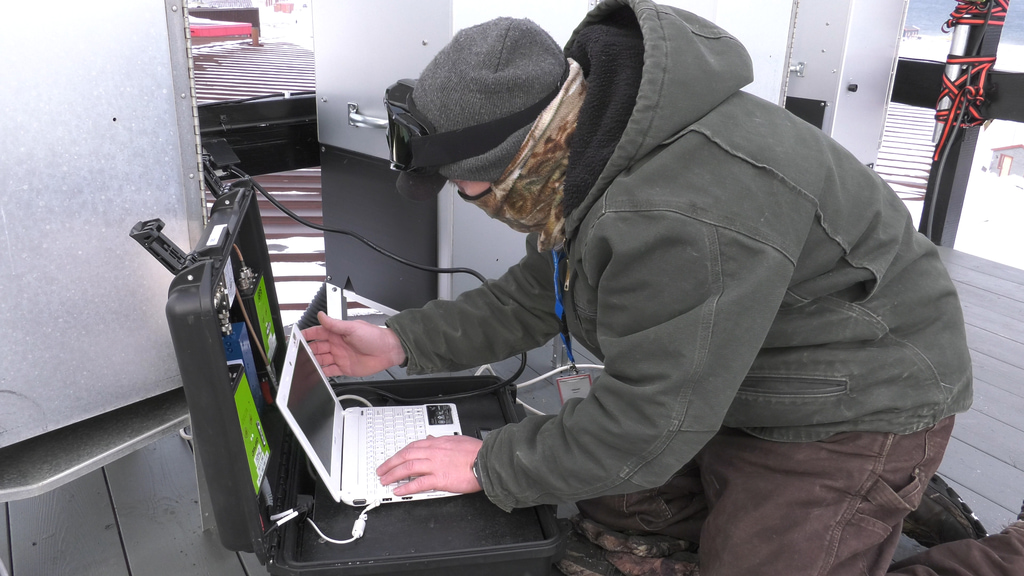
[148,234]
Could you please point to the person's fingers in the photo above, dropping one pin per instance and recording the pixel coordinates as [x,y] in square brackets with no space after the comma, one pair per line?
[419,484]
[407,462]
[442,463]
[323,318]
[340,327]
[395,469]
[315,333]
[424,474]
[319,347]
[329,369]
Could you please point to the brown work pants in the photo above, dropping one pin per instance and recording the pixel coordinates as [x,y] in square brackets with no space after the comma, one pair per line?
[833,507]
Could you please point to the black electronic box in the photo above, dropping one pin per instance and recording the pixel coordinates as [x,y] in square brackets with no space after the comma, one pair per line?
[226,328]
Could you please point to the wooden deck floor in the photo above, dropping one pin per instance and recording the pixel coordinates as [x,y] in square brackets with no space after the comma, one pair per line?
[140,515]
[985,459]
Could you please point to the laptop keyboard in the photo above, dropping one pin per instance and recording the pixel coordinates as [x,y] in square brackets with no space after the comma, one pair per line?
[388,430]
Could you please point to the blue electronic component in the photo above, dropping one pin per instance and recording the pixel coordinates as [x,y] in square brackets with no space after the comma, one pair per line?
[237,349]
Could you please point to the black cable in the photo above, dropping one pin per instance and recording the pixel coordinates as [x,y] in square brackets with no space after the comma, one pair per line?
[399,259]
[277,203]
[953,135]
[270,96]
[955,130]
[978,39]
[348,388]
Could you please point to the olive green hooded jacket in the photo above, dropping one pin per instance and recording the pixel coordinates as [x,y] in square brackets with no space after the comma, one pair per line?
[732,266]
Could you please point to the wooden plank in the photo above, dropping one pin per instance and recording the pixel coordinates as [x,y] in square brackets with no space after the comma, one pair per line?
[997,373]
[977,263]
[988,477]
[992,437]
[156,498]
[1010,303]
[996,346]
[5,542]
[968,276]
[69,530]
[999,404]
[1003,323]
[985,458]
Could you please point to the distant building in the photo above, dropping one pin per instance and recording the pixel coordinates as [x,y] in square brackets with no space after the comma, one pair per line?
[1008,160]
[221,4]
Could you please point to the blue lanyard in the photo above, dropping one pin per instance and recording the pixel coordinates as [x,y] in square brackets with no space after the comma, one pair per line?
[556,256]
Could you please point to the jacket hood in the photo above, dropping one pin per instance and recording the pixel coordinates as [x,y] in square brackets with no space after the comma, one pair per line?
[690,66]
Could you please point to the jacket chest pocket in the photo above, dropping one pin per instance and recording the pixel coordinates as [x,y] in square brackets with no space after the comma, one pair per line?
[581,310]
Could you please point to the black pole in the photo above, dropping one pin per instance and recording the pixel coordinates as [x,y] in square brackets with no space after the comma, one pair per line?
[949,175]
[941,223]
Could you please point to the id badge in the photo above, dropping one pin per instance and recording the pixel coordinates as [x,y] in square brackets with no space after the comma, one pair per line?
[575,386]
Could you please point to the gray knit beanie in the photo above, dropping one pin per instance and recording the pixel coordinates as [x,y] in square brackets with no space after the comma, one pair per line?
[486,72]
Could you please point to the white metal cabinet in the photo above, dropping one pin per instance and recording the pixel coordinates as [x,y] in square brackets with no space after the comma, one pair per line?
[844,55]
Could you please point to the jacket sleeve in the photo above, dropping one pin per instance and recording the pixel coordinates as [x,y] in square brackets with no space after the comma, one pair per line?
[682,308]
[495,321]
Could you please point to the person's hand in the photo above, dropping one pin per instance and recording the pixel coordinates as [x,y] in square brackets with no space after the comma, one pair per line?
[353,347]
[435,463]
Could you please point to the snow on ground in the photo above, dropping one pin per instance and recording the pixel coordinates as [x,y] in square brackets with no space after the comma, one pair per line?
[990,225]
[299,244]
[295,27]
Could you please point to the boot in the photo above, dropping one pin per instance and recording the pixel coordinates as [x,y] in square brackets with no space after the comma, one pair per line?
[584,558]
[595,550]
[942,517]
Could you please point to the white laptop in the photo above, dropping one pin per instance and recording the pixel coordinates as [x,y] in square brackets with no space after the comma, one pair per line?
[345,446]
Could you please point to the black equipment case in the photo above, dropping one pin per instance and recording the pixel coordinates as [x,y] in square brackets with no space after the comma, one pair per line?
[221,305]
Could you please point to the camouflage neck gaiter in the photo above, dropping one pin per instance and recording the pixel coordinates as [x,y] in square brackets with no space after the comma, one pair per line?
[528,195]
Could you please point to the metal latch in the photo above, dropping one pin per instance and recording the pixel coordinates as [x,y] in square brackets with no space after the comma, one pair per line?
[148,233]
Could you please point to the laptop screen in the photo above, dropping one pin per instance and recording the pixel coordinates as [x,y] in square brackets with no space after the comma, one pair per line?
[312,404]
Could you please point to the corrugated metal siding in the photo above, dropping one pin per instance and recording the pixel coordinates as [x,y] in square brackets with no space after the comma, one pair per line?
[236,70]
[239,70]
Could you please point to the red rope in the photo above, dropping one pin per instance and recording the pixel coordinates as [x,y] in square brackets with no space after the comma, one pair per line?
[974,12]
[966,94]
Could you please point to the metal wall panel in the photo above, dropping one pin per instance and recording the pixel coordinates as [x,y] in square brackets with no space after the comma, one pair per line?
[96,133]
[872,51]
[846,52]
[360,48]
[765,29]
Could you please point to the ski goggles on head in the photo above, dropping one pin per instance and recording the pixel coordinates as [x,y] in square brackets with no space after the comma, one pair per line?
[405,125]
[414,145]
